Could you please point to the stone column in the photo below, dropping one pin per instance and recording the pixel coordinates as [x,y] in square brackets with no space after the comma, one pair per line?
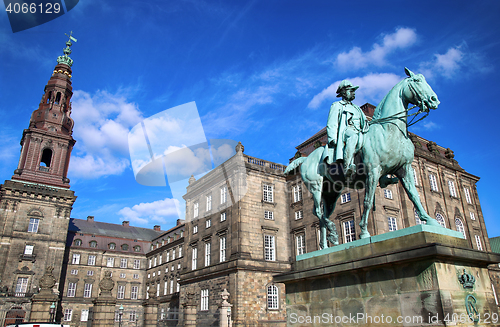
[151,308]
[41,302]
[225,311]
[190,310]
[105,304]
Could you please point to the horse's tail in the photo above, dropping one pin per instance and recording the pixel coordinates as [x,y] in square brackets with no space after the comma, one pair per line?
[294,165]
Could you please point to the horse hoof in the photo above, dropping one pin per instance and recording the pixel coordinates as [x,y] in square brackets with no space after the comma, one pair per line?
[364,234]
[336,243]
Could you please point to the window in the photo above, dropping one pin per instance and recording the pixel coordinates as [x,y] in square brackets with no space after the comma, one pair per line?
[472,216]
[159,259]
[208,223]
[467,195]
[478,243]
[21,286]
[110,262]
[433,181]
[165,288]
[269,248]
[178,287]
[222,248]
[71,290]
[417,218]
[173,254]
[204,300]
[78,242]
[272,297]
[346,197]
[28,250]
[147,292]
[123,263]
[268,193]
[298,215]
[415,179]
[440,219]
[74,272]
[85,315]
[125,247]
[112,246]
[180,251]
[137,264]
[157,289]
[223,216]
[195,209]
[300,243]
[207,254]
[121,292]
[87,290]
[297,193]
[136,276]
[460,227]
[195,229]
[171,286]
[132,316]
[451,186]
[349,231]
[137,248]
[392,224]
[33,225]
[179,266]
[168,256]
[76,259]
[91,260]
[223,194]
[90,273]
[194,258]
[387,193]
[68,313]
[122,275]
[209,202]
[269,215]
[155,261]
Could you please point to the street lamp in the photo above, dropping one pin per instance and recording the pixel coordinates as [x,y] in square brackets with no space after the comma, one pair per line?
[52,311]
[120,314]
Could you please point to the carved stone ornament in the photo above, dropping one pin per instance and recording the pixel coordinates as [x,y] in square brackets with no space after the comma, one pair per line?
[152,291]
[432,147]
[467,280]
[240,147]
[297,155]
[449,154]
[106,284]
[415,141]
[47,281]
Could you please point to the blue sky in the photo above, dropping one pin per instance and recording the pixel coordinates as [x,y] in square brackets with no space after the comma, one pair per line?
[261,72]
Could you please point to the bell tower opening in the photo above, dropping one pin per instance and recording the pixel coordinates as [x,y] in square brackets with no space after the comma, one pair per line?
[46,158]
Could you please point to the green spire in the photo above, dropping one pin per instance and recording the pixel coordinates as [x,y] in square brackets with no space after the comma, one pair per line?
[67,51]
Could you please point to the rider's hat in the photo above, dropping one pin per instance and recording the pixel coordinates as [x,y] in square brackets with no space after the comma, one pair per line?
[345,84]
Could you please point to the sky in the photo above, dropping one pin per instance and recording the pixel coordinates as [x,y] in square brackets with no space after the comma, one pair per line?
[260,72]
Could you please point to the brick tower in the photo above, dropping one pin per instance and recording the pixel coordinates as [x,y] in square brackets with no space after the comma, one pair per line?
[35,205]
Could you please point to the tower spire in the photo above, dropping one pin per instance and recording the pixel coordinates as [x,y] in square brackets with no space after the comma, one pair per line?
[47,143]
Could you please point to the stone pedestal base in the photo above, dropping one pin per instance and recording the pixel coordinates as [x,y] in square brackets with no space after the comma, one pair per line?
[150,313]
[104,311]
[411,278]
[40,306]
[190,315]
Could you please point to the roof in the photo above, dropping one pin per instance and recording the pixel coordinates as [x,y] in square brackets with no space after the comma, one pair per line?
[112,230]
[495,244]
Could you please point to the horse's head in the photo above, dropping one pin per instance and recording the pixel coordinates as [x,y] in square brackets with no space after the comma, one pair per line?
[419,92]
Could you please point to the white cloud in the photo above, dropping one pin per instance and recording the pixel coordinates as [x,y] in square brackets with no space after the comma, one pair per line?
[102,123]
[356,58]
[372,88]
[157,211]
[447,64]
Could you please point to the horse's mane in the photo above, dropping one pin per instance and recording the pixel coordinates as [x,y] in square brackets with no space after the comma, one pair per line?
[378,110]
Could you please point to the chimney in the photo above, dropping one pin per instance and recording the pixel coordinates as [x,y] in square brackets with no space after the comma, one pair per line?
[157,228]
[125,223]
[179,222]
[90,218]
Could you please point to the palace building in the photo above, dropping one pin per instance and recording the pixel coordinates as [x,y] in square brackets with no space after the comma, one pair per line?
[245,223]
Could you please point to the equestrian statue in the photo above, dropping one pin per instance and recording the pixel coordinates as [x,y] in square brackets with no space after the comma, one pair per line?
[361,154]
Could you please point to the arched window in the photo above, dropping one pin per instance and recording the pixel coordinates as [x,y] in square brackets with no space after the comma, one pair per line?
[125,247]
[48,97]
[46,157]
[272,297]
[417,218]
[93,244]
[58,98]
[78,242]
[112,246]
[137,248]
[440,219]
[460,227]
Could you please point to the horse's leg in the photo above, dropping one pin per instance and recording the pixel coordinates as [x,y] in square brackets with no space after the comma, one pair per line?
[315,189]
[406,176]
[328,208]
[371,184]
